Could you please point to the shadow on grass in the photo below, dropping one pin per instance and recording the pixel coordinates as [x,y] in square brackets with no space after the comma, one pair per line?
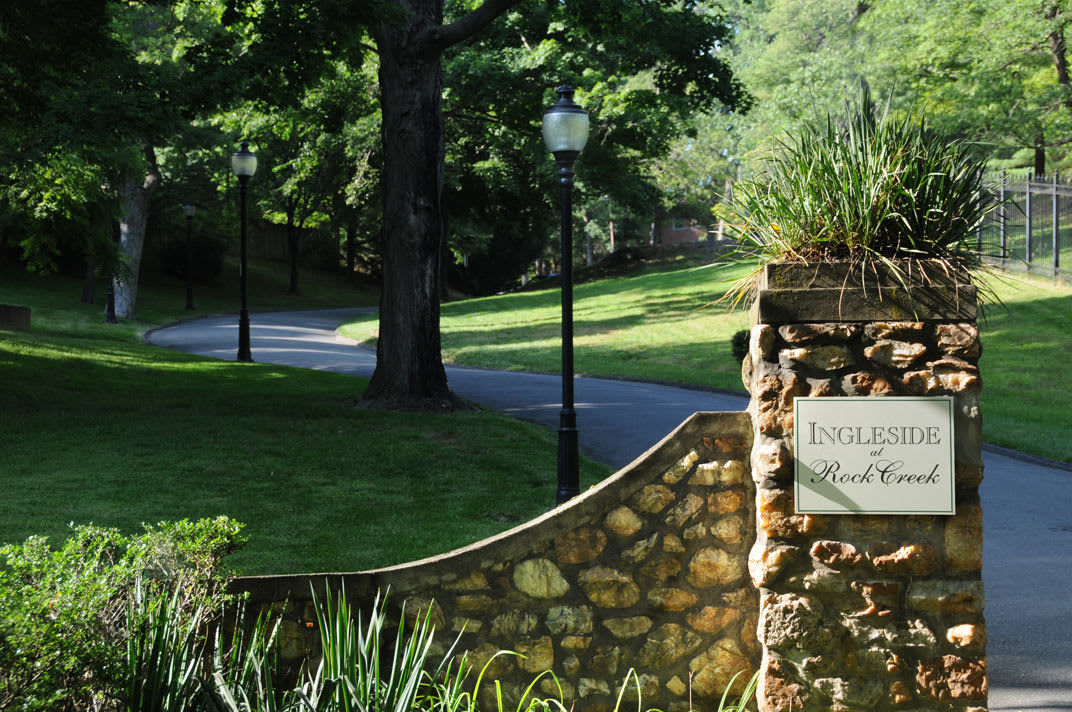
[117,435]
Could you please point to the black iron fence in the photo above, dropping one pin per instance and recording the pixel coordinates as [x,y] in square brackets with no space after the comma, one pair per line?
[1030,229]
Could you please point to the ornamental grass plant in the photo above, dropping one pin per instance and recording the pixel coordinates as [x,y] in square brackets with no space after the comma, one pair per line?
[142,624]
[877,191]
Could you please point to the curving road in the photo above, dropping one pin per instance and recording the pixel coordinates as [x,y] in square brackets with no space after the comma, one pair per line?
[1028,522]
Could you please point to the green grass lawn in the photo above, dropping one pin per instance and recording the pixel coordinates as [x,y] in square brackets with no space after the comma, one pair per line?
[162,298]
[660,325]
[100,428]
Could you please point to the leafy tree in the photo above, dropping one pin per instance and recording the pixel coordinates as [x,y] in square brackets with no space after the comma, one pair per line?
[159,96]
[500,197]
[113,87]
[994,71]
[696,174]
[411,38]
[799,59]
[57,146]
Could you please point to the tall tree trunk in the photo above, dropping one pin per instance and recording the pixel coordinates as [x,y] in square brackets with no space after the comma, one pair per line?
[1040,161]
[351,250]
[293,238]
[1058,51]
[89,282]
[611,228]
[409,367]
[444,254]
[134,192]
[586,217]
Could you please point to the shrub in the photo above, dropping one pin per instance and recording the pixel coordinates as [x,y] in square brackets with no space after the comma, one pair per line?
[71,616]
[739,345]
[865,188]
[119,624]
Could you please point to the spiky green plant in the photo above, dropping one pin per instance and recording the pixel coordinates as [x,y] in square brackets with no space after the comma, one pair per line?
[244,668]
[865,187]
[356,654]
[741,703]
[164,650]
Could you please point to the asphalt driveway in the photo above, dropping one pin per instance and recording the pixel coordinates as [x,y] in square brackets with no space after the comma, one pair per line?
[1027,504]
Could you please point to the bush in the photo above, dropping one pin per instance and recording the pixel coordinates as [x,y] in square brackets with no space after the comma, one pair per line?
[119,624]
[865,185]
[866,188]
[71,616]
[739,345]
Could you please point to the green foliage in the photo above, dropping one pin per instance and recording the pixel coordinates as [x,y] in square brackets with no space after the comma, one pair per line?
[985,70]
[164,648]
[739,344]
[363,671]
[865,186]
[641,70]
[104,615]
[988,71]
[207,252]
[741,703]
[798,59]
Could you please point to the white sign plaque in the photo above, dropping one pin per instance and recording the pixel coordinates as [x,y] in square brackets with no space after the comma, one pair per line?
[874,455]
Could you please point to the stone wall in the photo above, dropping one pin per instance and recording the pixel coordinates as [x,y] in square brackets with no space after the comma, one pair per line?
[865,612]
[647,570]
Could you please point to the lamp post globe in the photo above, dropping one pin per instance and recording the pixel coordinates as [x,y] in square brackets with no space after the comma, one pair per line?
[189,210]
[244,165]
[565,131]
[565,126]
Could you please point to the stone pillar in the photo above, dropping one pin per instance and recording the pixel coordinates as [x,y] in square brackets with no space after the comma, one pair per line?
[876,613]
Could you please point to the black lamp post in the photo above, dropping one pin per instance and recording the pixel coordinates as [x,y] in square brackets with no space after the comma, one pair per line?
[565,131]
[244,165]
[189,210]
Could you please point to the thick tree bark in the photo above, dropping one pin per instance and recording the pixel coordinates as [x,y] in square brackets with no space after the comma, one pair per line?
[134,192]
[89,282]
[351,251]
[444,256]
[409,367]
[1058,51]
[293,239]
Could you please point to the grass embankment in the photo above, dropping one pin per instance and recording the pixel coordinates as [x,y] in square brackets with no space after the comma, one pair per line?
[162,298]
[655,325]
[659,324]
[100,428]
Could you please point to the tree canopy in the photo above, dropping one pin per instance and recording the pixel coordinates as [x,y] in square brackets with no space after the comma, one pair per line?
[407,131]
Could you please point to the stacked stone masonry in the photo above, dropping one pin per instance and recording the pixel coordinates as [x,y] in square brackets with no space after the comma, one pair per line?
[877,613]
[647,571]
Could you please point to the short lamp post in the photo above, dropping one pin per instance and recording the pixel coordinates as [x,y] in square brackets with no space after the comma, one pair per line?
[244,165]
[565,131]
[189,210]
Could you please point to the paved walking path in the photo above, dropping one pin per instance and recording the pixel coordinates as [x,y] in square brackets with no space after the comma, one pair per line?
[1027,505]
